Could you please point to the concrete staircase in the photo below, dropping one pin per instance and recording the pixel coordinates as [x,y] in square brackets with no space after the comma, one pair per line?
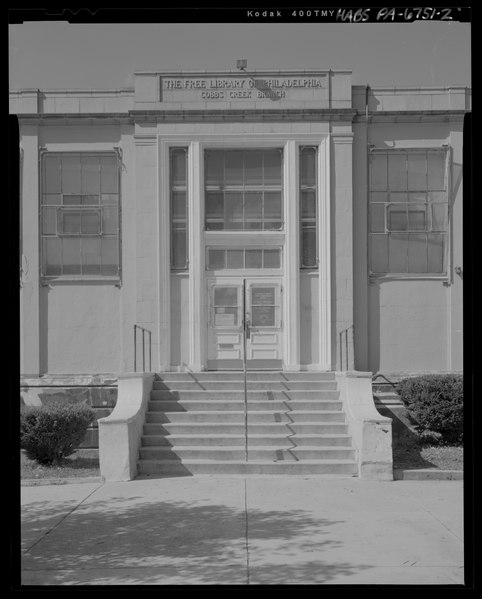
[195,424]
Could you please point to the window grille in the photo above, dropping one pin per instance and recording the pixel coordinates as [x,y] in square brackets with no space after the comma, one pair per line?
[408,212]
[219,258]
[243,190]
[80,215]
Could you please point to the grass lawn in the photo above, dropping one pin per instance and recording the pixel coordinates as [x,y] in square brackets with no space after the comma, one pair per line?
[75,466]
[410,453]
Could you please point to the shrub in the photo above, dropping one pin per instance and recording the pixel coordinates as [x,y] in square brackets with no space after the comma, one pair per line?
[53,431]
[435,404]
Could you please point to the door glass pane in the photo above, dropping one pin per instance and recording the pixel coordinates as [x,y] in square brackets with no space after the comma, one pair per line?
[436,251]
[254,259]
[233,168]
[225,317]
[110,256]
[226,296]
[49,221]
[263,296]
[308,203]
[90,175]
[90,222]
[397,252]
[378,172]
[52,182]
[377,218]
[90,251]
[436,171]
[216,259]
[214,168]
[253,168]
[108,174]
[71,181]
[272,168]
[417,253]
[71,255]
[110,220]
[263,316]
[52,252]
[417,219]
[271,258]
[417,171]
[379,253]
[234,259]
[69,222]
[233,207]
[397,172]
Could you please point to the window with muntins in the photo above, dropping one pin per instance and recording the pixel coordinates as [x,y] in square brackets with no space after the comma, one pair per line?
[179,210]
[408,212]
[243,190]
[308,201]
[80,215]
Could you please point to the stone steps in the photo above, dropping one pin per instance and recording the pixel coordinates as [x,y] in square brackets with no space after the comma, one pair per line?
[196,425]
[255,440]
[297,416]
[208,385]
[208,405]
[243,468]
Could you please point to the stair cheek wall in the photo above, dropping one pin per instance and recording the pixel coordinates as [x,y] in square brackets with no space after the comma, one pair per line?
[196,424]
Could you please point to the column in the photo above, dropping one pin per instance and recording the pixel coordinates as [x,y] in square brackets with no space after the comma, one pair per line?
[342,245]
[291,295]
[196,257]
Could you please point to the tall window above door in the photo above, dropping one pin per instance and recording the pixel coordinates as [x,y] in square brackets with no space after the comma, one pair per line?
[243,190]
[179,212]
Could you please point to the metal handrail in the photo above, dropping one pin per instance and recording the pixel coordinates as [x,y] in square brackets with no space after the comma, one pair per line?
[341,334]
[144,331]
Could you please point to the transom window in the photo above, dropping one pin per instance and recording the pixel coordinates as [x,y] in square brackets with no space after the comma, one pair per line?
[243,189]
[408,211]
[234,258]
[80,214]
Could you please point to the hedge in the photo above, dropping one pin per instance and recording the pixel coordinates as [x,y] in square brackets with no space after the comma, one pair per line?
[435,404]
[51,432]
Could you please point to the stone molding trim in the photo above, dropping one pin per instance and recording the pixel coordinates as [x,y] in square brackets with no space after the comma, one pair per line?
[120,432]
[371,432]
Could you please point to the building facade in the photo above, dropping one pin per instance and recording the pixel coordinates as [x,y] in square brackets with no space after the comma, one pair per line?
[326,218]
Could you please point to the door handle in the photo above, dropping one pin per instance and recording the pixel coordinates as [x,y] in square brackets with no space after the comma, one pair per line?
[247,326]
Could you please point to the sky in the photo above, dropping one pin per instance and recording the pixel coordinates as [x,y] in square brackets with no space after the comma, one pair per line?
[59,55]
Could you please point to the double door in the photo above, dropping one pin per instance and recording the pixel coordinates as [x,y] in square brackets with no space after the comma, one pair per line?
[244,324]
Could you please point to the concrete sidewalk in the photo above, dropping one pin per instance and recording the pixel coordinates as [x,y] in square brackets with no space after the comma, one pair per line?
[279,530]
